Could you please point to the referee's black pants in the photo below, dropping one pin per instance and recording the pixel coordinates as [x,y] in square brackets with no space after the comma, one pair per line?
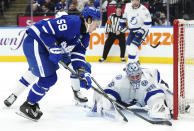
[109,42]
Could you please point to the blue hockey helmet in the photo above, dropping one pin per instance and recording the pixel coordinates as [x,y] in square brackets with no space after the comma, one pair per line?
[134,71]
[91,12]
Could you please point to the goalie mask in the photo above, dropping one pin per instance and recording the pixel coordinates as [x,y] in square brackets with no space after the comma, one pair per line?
[134,73]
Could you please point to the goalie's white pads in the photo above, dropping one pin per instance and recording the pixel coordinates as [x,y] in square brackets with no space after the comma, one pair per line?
[105,103]
[157,107]
[132,51]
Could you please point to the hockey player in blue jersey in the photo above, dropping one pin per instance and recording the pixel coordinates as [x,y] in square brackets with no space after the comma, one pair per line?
[28,78]
[51,41]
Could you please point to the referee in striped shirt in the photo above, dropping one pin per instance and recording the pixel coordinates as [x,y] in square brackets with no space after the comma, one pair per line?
[114,31]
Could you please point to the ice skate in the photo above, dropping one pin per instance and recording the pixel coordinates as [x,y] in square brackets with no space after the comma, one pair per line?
[101,60]
[29,111]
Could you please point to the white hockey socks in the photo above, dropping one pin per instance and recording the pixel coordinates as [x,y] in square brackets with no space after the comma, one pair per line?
[27,79]
[133,53]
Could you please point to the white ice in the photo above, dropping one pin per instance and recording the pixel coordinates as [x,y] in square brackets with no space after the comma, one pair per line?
[60,113]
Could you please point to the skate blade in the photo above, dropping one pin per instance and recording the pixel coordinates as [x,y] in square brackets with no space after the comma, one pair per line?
[24,116]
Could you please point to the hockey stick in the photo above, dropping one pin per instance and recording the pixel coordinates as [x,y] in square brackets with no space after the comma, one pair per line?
[112,101]
[155,46]
[162,122]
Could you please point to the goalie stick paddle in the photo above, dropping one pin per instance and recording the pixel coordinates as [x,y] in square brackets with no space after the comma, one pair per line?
[112,101]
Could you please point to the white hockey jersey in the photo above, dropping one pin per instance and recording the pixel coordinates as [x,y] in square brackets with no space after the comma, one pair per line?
[150,84]
[139,18]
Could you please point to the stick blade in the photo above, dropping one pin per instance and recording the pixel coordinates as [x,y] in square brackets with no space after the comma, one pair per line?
[168,123]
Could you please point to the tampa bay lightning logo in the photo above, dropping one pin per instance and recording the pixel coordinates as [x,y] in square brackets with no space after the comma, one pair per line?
[144,83]
[118,77]
[133,21]
[111,84]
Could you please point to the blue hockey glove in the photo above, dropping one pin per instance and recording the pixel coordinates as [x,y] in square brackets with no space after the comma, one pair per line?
[139,34]
[86,81]
[137,40]
[56,54]
[122,23]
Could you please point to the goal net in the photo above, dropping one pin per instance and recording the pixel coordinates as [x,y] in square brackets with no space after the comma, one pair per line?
[183,69]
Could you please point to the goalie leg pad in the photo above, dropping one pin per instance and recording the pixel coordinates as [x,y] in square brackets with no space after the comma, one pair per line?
[157,107]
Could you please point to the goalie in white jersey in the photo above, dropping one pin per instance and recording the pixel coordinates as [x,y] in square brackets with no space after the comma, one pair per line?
[139,21]
[138,86]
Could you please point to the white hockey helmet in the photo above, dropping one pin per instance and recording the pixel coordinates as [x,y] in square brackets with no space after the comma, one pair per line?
[134,71]
[60,13]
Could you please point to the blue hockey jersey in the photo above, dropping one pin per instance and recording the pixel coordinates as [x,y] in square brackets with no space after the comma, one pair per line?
[65,32]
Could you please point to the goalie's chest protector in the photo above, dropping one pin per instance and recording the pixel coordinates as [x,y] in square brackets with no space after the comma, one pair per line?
[147,84]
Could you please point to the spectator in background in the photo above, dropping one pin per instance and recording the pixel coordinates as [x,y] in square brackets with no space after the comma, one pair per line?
[1,8]
[125,1]
[50,4]
[113,32]
[104,10]
[45,11]
[97,4]
[155,7]
[81,4]
[74,2]
[61,6]
[40,2]
[73,10]
[35,8]
[161,21]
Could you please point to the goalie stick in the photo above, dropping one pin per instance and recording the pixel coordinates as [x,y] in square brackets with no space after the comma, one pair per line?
[158,122]
[112,101]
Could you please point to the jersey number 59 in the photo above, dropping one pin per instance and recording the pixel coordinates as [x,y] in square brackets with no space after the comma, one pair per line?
[62,24]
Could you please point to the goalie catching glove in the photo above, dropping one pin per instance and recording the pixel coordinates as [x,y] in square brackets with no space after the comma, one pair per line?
[85,81]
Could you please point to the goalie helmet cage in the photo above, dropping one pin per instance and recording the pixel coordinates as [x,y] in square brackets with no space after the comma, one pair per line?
[183,68]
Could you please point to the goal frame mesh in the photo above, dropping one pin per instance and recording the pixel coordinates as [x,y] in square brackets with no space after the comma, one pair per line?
[179,62]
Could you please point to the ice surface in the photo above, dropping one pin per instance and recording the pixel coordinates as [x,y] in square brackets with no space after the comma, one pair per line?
[60,114]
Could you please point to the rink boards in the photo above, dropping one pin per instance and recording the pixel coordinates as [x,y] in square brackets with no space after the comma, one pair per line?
[11,40]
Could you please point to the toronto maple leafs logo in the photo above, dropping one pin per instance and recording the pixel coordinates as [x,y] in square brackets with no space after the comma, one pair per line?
[67,48]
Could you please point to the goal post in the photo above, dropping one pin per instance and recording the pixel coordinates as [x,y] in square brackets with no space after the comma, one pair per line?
[183,68]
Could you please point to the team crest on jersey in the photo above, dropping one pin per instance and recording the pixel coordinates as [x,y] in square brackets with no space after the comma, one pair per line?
[111,84]
[133,21]
[67,48]
[118,77]
[144,83]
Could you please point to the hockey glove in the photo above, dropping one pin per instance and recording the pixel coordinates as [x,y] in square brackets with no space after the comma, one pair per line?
[85,81]
[139,34]
[122,23]
[138,37]
[57,54]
